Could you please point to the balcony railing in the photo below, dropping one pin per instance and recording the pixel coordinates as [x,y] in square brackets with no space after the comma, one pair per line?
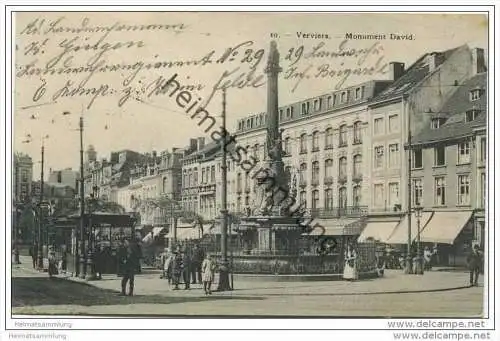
[342,178]
[303,151]
[328,180]
[357,177]
[329,146]
[302,182]
[315,149]
[357,141]
[315,182]
[337,212]
[342,144]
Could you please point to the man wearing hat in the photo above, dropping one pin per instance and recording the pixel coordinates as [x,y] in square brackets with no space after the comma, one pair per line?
[474,262]
[177,268]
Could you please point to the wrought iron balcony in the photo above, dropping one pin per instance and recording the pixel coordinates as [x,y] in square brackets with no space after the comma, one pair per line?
[315,149]
[303,151]
[329,146]
[342,178]
[328,180]
[315,182]
[302,182]
[357,141]
[342,144]
[337,212]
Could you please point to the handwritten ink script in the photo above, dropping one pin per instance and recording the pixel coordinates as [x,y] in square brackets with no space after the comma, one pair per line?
[88,60]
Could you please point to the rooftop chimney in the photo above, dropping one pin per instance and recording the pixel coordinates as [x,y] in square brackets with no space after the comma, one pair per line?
[478,63]
[396,70]
[201,143]
[434,59]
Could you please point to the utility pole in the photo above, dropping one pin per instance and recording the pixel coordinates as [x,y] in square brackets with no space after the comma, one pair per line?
[83,266]
[41,217]
[224,284]
[408,269]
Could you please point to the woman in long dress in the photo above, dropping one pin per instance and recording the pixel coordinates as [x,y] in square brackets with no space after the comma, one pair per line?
[207,274]
[350,268]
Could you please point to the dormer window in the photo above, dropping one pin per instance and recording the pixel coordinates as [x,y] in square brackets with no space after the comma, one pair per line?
[305,108]
[437,122]
[317,104]
[343,97]
[358,93]
[471,115]
[475,94]
[289,112]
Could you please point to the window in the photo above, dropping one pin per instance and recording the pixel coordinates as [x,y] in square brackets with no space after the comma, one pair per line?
[329,198]
[417,189]
[357,132]
[394,160]
[482,188]
[483,149]
[256,151]
[343,97]
[287,146]
[289,112]
[378,126]
[190,178]
[439,156]
[417,158]
[463,153]
[238,204]
[195,176]
[315,171]
[303,143]
[305,108]
[329,168]
[393,194]
[203,176]
[302,172]
[328,138]
[358,93]
[329,102]
[317,104]
[303,198]
[281,114]
[463,190]
[439,191]
[436,123]
[343,135]
[378,195]
[212,174]
[379,157]
[343,167]
[475,94]
[342,197]
[238,182]
[393,123]
[24,176]
[315,141]
[356,196]
[471,115]
[357,172]
[315,199]
[164,185]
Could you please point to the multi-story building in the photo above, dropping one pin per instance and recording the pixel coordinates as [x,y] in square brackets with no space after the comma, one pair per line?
[22,177]
[66,177]
[408,104]
[158,176]
[449,168]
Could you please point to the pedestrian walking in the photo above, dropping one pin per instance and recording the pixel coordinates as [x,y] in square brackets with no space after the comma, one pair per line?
[33,251]
[474,262]
[177,268]
[186,268]
[198,258]
[350,267]
[427,259]
[52,270]
[121,255]
[208,270]
[130,267]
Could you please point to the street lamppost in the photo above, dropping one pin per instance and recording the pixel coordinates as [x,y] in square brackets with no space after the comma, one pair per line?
[41,217]
[83,267]
[419,267]
[91,275]
[224,283]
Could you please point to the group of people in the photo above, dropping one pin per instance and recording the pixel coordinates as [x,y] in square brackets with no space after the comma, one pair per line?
[190,265]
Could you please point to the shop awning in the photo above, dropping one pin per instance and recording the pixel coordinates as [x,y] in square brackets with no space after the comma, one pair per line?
[378,230]
[333,227]
[444,227]
[186,233]
[400,235]
[157,230]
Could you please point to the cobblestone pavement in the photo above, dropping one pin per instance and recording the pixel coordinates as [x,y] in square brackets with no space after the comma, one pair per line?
[436,294]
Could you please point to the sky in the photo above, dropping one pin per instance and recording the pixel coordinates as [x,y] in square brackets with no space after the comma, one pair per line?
[118,113]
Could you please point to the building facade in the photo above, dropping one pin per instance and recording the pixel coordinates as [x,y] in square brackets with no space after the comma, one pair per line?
[66,177]
[22,177]
[449,175]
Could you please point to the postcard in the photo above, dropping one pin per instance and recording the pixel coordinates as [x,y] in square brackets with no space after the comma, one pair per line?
[251,165]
